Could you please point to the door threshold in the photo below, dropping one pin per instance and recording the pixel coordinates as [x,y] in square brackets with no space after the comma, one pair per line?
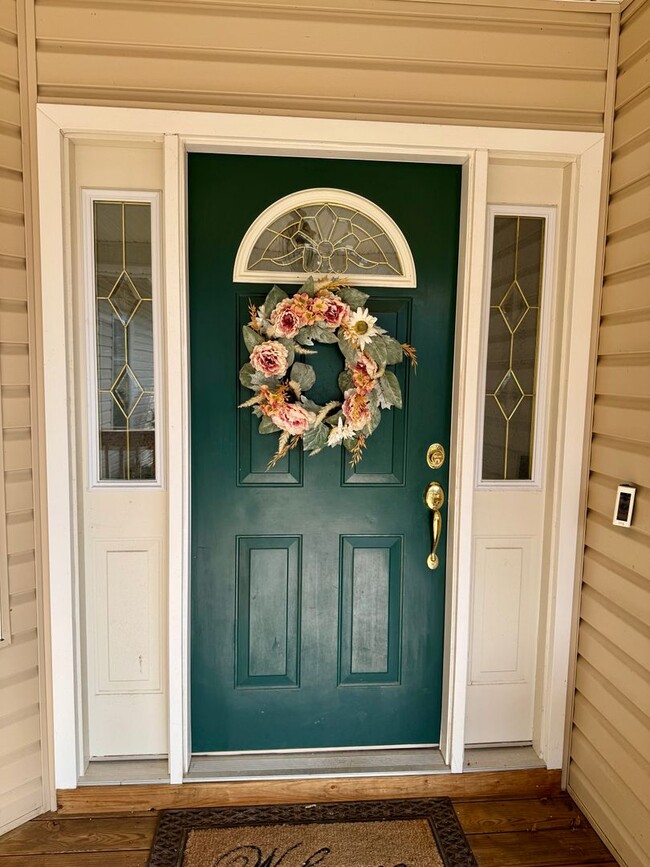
[316,764]
[125,772]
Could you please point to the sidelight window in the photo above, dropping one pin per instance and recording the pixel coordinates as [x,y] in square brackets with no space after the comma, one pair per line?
[516,309]
[125,291]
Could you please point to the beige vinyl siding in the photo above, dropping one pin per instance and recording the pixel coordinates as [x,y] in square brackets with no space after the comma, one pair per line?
[492,63]
[609,770]
[21,756]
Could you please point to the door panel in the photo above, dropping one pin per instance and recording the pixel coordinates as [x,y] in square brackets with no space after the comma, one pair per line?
[315,621]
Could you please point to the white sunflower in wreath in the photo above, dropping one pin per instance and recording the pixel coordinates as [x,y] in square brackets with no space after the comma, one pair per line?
[281,329]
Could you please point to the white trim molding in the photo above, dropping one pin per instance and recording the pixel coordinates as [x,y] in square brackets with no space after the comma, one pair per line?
[243,272]
[471,147]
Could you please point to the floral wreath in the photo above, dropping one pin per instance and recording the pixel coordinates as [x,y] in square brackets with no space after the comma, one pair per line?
[327,311]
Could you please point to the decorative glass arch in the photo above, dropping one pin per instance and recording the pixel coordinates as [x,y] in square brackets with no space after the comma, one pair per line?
[325,231]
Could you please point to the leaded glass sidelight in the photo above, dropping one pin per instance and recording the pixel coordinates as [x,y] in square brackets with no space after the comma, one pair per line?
[513,347]
[124,340]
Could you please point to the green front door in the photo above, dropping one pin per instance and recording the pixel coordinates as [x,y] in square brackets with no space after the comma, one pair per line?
[315,621]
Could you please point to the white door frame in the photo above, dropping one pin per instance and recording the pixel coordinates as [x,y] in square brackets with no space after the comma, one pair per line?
[181,132]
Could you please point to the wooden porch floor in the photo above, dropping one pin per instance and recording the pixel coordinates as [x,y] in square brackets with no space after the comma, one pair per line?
[503,832]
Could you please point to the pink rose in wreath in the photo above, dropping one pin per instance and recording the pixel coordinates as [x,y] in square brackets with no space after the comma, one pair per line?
[293,419]
[364,373]
[286,320]
[270,358]
[336,312]
[356,409]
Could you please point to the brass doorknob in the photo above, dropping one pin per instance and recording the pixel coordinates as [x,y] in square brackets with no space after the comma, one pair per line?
[434,497]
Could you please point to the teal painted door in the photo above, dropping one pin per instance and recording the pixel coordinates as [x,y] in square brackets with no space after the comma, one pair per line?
[315,621]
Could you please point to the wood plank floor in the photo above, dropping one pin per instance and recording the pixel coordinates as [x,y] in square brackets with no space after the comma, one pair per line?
[515,832]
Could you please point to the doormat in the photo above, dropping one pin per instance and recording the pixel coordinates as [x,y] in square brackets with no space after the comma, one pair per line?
[405,833]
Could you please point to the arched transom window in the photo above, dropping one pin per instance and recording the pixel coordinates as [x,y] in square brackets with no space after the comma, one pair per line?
[325,231]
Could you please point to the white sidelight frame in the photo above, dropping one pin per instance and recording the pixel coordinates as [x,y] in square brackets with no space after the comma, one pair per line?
[471,147]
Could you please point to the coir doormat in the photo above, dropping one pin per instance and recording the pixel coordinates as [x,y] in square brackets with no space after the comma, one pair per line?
[405,833]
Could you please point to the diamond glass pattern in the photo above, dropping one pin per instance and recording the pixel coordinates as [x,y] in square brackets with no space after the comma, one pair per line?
[326,238]
[513,307]
[509,395]
[124,298]
[127,391]
[124,338]
[516,279]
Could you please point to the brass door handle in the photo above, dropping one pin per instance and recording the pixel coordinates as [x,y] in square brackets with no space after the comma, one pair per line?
[434,497]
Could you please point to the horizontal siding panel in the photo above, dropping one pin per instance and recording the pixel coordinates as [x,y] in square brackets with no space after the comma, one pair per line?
[632,120]
[211,81]
[630,764]
[476,64]
[17,450]
[635,34]
[589,783]
[13,322]
[11,148]
[23,770]
[19,495]
[8,15]
[8,56]
[451,34]
[22,801]
[19,662]
[625,632]
[17,694]
[12,234]
[621,334]
[23,613]
[626,376]
[20,533]
[629,207]
[13,280]
[22,572]
[602,497]
[623,460]
[628,293]
[629,675]
[622,544]
[15,407]
[608,701]
[20,734]
[625,419]
[620,586]
[629,249]
[9,102]
[631,163]
[11,189]
[634,77]
[14,365]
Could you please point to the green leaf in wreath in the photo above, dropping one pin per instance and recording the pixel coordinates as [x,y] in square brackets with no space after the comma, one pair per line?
[246,375]
[377,351]
[390,389]
[394,351]
[351,443]
[348,350]
[306,335]
[308,287]
[315,438]
[323,334]
[353,297]
[251,338]
[267,426]
[345,380]
[273,298]
[303,374]
[291,352]
[310,404]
